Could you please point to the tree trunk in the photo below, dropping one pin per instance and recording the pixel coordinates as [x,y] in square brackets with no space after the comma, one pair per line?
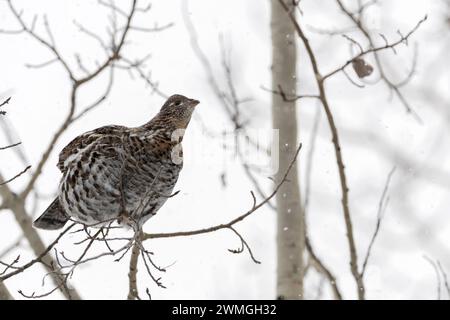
[23,219]
[4,293]
[290,224]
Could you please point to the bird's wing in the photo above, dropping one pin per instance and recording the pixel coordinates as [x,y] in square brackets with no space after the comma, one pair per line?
[78,144]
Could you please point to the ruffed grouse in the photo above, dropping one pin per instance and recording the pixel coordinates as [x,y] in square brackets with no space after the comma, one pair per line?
[115,172]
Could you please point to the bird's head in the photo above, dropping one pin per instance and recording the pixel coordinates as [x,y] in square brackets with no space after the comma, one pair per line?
[178,109]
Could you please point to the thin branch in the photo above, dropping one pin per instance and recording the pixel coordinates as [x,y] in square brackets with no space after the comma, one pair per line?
[113,7]
[5,102]
[155,28]
[91,34]
[41,65]
[438,276]
[375,50]
[51,145]
[289,98]
[146,77]
[11,247]
[203,58]
[234,221]
[77,83]
[39,257]
[338,153]
[320,266]
[230,103]
[101,99]
[11,146]
[309,160]
[444,276]
[16,176]
[115,55]
[48,45]
[381,209]
[244,246]
[402,39]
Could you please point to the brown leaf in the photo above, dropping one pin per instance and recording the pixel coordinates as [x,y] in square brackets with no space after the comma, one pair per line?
[362,68]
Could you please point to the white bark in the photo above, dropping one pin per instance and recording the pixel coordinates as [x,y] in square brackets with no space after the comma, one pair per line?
[290,228]
[4,293]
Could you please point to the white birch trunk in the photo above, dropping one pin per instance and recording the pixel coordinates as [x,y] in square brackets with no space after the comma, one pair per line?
[290,225]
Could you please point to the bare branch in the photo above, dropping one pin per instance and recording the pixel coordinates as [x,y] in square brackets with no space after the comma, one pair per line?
[11,247]
[16,176]
[290,98]
[203,59]
[309,161]
[438,276]
[444,276]
[11,146]
[230,102]
[402,39]
[375,50]
[231,223]
[320,266]
[41,65]
[155,28]
[91,34]
[49,45]
[101,99]
[381,209]
[113,7]
[5,102]
[244,245]
[39,258]
[77,83]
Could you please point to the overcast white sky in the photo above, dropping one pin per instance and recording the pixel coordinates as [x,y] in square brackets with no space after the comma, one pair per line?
[377,135]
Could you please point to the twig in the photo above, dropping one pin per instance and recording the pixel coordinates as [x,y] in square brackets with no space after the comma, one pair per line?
[10,146]
[11,247]
[290,98]
[76,84]
[39,257]
[320,266]
[230,103]
[438,276]
[309,160]
[16,176]
[30,31]
[244,245]
[5,102]
[234,221]
[155,28]
[381,208]
[444,275]
[375,50]
[317,263]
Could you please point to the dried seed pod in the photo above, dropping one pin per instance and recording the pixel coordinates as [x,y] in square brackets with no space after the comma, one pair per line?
[361,67]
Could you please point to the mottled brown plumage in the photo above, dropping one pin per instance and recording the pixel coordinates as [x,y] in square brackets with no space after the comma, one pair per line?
[116,172]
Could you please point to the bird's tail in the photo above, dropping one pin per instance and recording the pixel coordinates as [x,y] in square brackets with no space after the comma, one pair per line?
[53,218]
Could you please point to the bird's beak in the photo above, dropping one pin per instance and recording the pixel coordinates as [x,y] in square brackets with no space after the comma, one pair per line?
[193,102]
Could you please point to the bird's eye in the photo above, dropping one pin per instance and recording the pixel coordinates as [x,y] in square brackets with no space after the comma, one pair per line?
[178,103]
